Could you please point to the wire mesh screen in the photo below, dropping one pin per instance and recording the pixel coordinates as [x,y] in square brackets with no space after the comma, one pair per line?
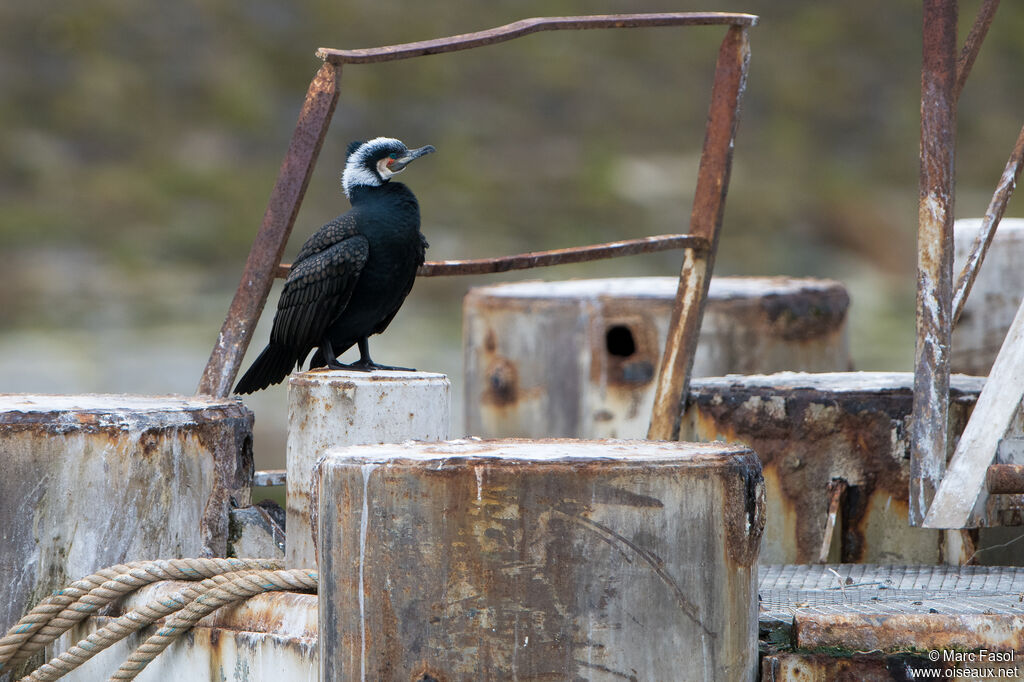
[867,589]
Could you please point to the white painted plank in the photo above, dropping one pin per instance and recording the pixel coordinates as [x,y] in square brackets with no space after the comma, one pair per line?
[961,496]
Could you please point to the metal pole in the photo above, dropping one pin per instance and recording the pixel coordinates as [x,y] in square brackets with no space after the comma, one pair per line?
[706,222]
[270,242]
[994,213]
[935,255]
[973,43]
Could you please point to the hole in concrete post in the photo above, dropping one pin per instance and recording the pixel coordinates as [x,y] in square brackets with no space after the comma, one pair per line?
[619,341]
[430,675]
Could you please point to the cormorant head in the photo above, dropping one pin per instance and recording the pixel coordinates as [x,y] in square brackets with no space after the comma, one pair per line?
[371,164]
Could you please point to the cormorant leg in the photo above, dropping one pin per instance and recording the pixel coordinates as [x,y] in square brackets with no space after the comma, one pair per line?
[330,359]
[365,364]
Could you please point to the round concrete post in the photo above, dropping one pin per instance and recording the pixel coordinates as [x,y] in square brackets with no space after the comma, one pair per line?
[579,358]
[994,298]
[557,559]
[331,409]
[94,480]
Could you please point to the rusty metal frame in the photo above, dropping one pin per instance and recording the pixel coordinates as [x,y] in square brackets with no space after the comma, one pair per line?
[939,302]
[264,262]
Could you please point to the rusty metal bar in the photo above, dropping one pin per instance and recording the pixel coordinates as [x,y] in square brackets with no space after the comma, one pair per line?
[705,221]
[934,255]
[973,44]
[836,490]
[269,477]
[894,632]
[517,29]
[993,214]
[579,254]
[285,198]
[1005,479]
[543,259]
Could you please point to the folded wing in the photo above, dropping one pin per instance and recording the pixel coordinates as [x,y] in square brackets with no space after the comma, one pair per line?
[318,288]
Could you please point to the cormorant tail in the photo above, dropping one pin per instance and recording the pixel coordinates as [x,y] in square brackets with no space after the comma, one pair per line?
[271,367]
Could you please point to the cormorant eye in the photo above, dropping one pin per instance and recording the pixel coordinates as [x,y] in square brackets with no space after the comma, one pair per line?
[393,155]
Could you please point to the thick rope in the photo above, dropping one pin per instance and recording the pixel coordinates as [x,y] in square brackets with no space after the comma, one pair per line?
[106,637]
[50,607]
[65,608]
[223,590]
[112,633]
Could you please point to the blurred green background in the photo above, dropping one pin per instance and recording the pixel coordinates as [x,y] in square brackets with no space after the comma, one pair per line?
[139,143]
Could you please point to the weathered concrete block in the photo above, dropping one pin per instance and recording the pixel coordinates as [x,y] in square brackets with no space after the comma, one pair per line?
[994,298]
[255,533]
[810,429]
[561,560]
[94,480]
[329,409]
[579,358]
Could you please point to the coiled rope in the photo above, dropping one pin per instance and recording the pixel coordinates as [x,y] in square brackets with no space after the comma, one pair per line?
[219,582]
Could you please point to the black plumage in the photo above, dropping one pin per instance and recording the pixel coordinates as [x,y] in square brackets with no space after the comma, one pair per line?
[351,277]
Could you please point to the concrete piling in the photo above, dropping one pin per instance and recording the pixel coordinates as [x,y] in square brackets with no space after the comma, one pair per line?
[579,358]
[554,559]
[94,480]
[329,409]
[814,431]
[994,298]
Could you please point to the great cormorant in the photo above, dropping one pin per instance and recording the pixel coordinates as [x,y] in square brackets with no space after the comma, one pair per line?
[352,275]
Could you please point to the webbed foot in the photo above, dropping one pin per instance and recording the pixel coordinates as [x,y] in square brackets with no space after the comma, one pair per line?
[367,365]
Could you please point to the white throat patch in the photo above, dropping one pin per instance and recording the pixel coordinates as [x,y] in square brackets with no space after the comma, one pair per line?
[385,172]
[357,174]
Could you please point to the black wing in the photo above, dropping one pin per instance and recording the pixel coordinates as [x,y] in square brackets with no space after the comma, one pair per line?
[421,256]
[339,229]
[318,287]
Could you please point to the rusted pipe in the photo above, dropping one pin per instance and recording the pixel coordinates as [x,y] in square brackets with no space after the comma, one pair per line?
[518,29]
[993,214]
[934,255]
[542,259]
[266,251]
[1005,479]
[705,221]
[973,43]
[269,477]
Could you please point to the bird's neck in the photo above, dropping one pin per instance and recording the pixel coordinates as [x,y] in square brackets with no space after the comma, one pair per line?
[388,190]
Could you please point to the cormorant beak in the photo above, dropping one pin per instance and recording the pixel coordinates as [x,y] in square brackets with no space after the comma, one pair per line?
[404,160]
